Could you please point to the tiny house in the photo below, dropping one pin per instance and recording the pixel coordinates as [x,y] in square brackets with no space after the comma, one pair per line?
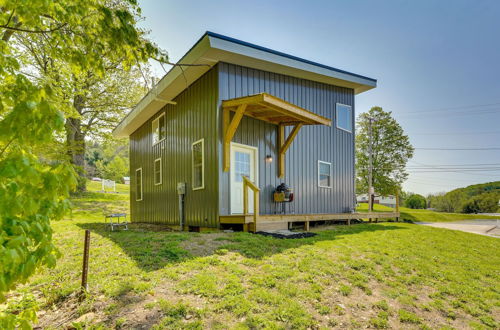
[241,135]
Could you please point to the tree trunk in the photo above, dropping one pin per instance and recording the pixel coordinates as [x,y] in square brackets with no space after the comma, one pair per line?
[75,142]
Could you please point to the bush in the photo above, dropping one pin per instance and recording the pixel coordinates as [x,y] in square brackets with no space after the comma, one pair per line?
[416,201]
[483,203]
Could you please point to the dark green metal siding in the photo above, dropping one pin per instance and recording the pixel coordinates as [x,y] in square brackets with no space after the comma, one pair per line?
[193,118]
[313,143]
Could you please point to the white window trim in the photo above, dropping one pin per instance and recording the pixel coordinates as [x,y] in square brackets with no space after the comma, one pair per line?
[337,117]
[319,174]
[157,120]
[202,165]
[161,172]
[256,160]
[142,185]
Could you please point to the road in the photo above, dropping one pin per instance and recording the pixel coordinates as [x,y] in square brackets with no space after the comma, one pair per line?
[486,227]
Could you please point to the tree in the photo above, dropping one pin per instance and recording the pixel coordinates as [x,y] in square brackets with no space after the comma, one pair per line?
[416,201]
[34,188]
[108,159]
[482,203]
[94,102]
[391,150]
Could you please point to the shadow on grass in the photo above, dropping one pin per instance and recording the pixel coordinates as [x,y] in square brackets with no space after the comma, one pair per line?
[153,247]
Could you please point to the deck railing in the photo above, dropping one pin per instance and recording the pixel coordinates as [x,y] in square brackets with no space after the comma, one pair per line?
[246,185]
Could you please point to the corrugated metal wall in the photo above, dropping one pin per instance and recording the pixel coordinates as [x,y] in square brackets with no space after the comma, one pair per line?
[313,143]
[193,118]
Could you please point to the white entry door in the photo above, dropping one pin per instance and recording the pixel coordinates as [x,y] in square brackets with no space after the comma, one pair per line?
[243,163]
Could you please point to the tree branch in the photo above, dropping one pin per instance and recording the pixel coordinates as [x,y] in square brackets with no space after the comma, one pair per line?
[12,28]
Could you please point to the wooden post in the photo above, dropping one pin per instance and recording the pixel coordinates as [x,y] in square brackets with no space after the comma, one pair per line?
[85,269]
[245,197]
[249,184]
[230,130]
[397,204]
[284,145]
[226,120]
[255,209]
[281,156]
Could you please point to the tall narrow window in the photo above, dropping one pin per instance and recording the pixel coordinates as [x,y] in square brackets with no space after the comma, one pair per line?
[138,184]
[158,129]
[198,154]
[344,117]
[158,172]
[324,174]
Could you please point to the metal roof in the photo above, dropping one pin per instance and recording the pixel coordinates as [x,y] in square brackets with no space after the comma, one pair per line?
[213,48]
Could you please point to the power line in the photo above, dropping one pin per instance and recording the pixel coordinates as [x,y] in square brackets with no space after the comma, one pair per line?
[477,164]
[447,115]
[461,149]
[430,184]
[454,171]
[459,133]
[453,108]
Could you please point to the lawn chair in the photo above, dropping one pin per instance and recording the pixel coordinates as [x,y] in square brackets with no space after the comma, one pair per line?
[113,220]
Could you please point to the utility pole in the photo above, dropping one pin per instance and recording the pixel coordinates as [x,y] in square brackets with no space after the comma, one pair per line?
[371,120]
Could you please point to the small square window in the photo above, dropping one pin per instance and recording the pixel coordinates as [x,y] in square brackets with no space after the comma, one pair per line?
[344,117]
[158,129]
[324,174]
[158,172]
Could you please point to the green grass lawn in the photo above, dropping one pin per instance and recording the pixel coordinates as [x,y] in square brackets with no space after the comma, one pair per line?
[394,275]
[425,215]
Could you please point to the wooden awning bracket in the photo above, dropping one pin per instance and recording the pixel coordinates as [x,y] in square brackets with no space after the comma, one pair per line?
[284,145]
[270,109]
[229,131]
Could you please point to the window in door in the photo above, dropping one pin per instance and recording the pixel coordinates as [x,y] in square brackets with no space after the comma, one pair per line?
[241,165]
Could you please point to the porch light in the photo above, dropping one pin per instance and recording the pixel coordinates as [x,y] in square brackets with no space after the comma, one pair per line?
[269,159]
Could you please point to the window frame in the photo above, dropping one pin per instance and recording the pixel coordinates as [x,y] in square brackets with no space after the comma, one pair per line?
[319,174]
[157,121]
[337,117]
[202,141]
[154,172]
[136,185]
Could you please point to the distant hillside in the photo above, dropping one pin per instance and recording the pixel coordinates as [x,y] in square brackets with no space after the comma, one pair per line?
[478,189]
[477,198]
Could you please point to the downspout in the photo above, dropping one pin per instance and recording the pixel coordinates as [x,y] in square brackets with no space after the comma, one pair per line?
[181,191]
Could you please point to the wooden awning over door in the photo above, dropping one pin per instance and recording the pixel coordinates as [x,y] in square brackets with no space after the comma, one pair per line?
[270,109]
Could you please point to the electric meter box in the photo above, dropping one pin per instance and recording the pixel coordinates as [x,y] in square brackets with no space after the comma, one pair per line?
[181,188]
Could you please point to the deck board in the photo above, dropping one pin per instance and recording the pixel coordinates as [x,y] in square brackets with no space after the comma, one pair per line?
[285,218]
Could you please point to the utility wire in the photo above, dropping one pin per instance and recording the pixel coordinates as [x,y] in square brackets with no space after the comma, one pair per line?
[462,149]
[459,133]
[453,108]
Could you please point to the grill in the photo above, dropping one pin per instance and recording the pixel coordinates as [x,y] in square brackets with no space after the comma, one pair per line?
[283,194]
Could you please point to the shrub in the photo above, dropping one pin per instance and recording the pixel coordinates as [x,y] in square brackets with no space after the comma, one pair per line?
[416,201]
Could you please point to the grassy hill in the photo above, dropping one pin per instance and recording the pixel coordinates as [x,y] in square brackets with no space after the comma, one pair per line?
[395,275]
[478,189]
[425,215]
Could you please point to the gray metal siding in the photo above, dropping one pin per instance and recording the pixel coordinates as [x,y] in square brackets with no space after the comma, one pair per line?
[193,118]
[313,143]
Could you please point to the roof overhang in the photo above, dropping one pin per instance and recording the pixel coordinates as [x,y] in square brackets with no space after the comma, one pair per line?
[213,48]
[274,110]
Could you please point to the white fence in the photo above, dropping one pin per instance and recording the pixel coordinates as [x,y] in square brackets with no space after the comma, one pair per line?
[108,184]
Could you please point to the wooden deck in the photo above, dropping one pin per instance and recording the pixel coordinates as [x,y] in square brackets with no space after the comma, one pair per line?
[281,221]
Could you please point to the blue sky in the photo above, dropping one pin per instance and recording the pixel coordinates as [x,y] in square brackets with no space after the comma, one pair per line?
[437,64]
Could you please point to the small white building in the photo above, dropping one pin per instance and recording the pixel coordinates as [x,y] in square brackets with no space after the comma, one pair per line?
[389,201]
[126,179]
